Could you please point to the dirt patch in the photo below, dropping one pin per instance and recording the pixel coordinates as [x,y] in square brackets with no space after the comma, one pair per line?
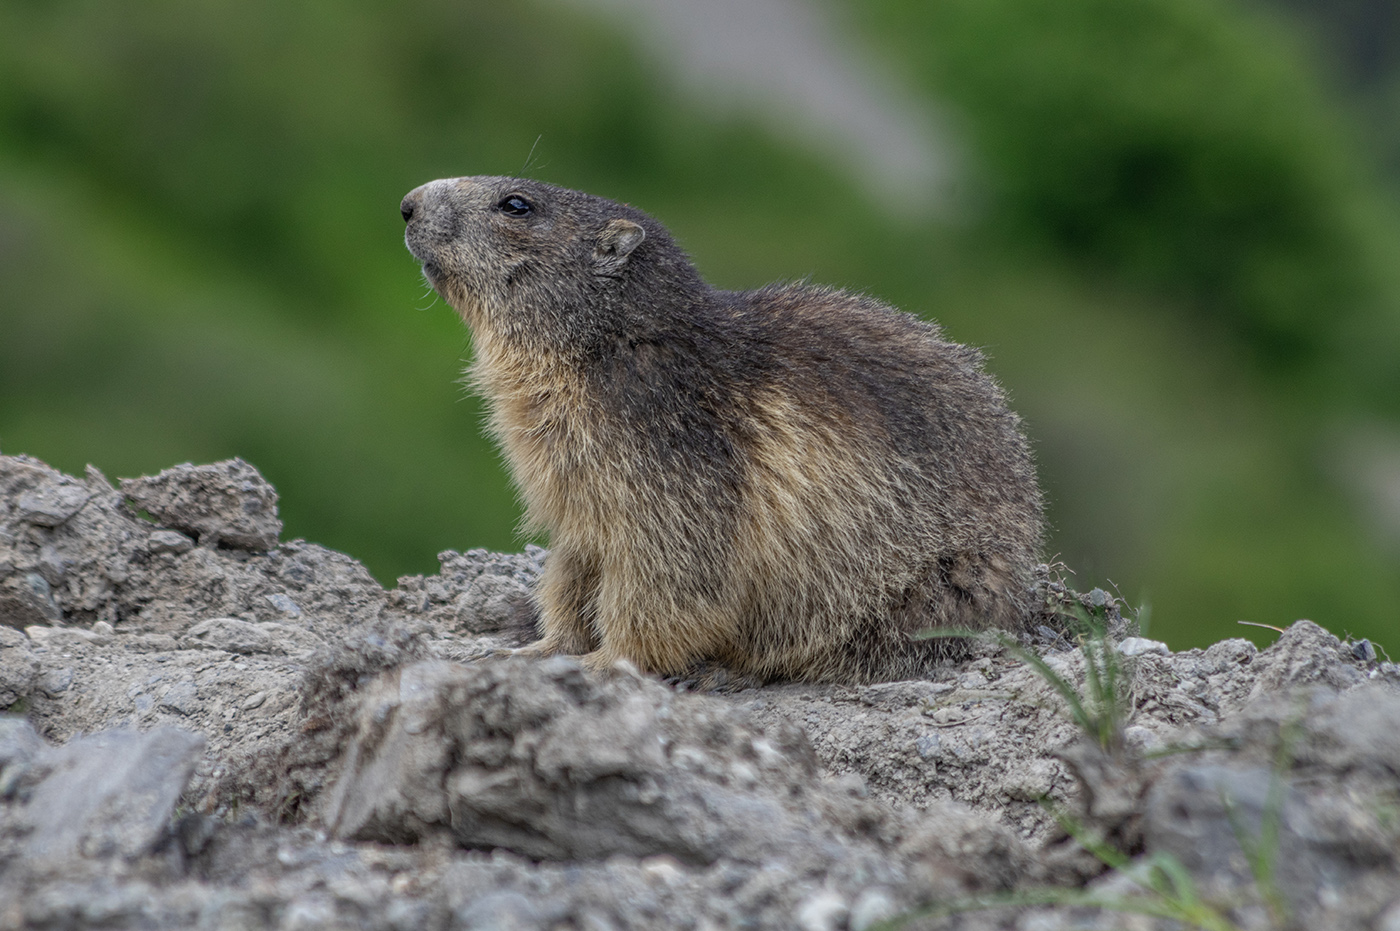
[211,728]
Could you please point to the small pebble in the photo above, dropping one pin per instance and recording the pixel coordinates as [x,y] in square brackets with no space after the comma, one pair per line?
[1142,739]
[56,681]
[284,604]
[973,682]
[663,868]
[169,541]
[1136,646]
[927,746]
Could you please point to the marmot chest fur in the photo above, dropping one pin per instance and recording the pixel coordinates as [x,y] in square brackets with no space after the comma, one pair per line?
[788,482]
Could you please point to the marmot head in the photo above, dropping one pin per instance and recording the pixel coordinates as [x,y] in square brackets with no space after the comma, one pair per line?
[528,260]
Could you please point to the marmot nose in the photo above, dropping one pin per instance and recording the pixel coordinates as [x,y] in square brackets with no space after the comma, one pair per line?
[408,205]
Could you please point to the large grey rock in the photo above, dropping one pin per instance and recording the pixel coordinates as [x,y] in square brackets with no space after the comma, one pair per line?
[1278,796]
[26,600]
[226,502]
[1359,731]
[53,505]
[108,795]
[1305,654]
[1208,815]
[538,758]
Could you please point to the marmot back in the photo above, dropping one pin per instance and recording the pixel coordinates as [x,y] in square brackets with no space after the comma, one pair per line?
[789,482]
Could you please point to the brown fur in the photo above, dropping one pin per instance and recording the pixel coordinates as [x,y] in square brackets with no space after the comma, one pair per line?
[788,482]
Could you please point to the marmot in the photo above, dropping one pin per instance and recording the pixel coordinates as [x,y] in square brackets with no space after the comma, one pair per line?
[787,482]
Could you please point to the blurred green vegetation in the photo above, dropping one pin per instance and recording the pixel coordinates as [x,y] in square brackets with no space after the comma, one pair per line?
[1174,248]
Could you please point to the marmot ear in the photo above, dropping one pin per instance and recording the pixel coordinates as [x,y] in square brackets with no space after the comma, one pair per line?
[615,244]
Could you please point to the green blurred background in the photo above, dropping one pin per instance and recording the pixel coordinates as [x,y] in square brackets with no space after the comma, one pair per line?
[1172,224]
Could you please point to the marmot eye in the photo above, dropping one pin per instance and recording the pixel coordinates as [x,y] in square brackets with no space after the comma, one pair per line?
[515,206]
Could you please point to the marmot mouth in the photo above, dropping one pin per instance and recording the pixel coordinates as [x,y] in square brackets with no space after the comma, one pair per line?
[432,272]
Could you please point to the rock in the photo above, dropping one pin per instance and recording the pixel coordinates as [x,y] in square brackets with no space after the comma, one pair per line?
[27,600]
[52,505]
[1136,646]
[181,698]
[900,694]
[953,850]
[477,591]
[237,636]
[19,670]
[543,760]
[1142,739]
[492,603]
[63,638]
[108,795]
[1364,651]
[169,541]
[226,503]
[370,764]
[229,634]
[1305,654]
[1331,846]
[663,869]
[55,682]
[285,605]
[1359,731]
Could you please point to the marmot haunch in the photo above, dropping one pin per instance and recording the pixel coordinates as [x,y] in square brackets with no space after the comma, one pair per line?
[788,482]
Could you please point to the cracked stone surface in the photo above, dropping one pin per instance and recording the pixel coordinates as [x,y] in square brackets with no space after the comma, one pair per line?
[211,727]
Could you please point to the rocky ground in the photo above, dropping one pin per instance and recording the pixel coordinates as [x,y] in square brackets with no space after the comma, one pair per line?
[209,728]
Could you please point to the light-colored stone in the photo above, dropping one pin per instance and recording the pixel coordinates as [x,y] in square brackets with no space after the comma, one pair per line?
[1136,646]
